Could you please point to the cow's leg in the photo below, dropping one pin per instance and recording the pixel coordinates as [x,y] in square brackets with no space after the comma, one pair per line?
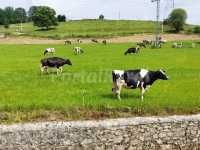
[116,90]
[61,69]
[46,69]
[142,90]
[42,69]
[57,70]
[119,84]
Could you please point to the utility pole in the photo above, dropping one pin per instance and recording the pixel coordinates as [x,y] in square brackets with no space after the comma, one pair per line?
[119,15]
[173,4]
[157,32]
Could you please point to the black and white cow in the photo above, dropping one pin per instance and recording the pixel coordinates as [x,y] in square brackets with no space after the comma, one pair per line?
[132,50]
[79,41]
[54,62]
[147,42]
[94,40]
[132,79]
[68,42]
[104,42]
[78,50]
[141,44]
[49,51]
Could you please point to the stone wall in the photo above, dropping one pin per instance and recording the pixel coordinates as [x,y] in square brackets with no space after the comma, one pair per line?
[141,133]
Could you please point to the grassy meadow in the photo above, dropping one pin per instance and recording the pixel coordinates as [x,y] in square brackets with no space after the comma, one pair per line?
[83,91]
[87,28]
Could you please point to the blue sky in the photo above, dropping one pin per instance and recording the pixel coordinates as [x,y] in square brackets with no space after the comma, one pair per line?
[112,9]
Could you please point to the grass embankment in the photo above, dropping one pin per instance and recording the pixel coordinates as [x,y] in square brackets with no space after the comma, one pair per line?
[84,90]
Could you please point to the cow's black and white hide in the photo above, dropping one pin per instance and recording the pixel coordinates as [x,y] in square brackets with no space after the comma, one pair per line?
[49,51]
[68,42]
[104,42]
[141,44]
[94,40]
[78,50]
[54,62]
[147,42]
[132,79]
[177,45]
[79,41]
[132,50]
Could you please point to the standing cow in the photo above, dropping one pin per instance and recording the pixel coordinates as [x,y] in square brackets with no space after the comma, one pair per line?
[132,50]
[49,51]
[54,62]
[78,50]
[132,79]
[68,42]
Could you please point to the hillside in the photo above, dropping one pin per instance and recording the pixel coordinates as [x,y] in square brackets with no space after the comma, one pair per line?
[87,28]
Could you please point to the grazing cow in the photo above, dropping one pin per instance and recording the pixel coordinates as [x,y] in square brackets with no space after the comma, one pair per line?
[54,62]
[132,50]
[141,44]
[132,79]
[49,51]
[177,45]
[78,50]
[94,40]
[79,41]
[68,42]
[104,42]
[193,45]
[147,42]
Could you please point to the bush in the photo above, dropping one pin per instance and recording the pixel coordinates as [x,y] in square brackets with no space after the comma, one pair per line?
[196,29]
[61,18]
[101,17]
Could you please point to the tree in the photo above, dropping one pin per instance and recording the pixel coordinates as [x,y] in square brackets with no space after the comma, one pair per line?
[197,29]
[177,19]
[9,15]
[31,11]
[61,18]
[20,15]
[2,16]
[101,17]
[44,17]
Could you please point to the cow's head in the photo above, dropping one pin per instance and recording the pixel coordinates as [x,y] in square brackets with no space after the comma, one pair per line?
[67,61]
[162,75]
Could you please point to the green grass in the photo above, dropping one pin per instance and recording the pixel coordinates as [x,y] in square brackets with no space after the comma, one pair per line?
[84,89]
[88,28]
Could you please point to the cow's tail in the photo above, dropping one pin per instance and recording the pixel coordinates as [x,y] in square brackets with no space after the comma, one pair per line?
[114,77]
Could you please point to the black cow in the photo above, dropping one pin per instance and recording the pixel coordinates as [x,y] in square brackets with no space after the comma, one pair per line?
[94,40]
[140,78]
[104,42]
[132,50]
[54,62]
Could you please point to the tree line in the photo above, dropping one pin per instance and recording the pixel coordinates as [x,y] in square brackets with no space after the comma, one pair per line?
[45,17]
[41,16]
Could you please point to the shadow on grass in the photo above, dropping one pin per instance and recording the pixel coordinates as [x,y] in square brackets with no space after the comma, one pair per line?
[45,29]
[123,96]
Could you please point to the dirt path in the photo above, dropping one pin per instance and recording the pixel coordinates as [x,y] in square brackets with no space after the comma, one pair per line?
[134,38]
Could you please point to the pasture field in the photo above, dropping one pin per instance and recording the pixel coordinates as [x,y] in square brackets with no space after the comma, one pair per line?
[83,91]
[87,28]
